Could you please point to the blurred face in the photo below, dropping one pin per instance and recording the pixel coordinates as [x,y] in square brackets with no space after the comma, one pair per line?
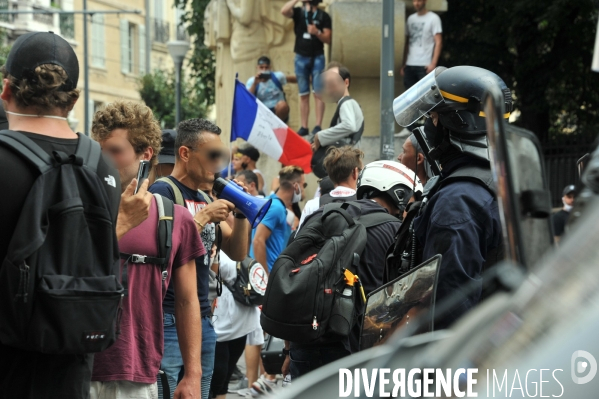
[237,162]
[334,86]
[123,155]
[568,199]
[204,159]
[419,4]
[263,67]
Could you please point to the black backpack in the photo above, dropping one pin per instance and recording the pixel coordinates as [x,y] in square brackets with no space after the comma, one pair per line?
[307,280]
[166,218]
[250,283]
[59,291]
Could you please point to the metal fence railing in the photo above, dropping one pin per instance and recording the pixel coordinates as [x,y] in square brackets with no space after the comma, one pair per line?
[161,31]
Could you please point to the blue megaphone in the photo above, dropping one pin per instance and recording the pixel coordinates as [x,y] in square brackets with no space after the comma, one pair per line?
[253,208]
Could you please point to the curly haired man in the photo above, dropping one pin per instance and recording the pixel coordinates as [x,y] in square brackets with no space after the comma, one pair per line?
[129,133]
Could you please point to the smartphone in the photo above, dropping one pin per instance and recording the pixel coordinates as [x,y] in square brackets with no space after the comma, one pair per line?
[265,75]
[142,173]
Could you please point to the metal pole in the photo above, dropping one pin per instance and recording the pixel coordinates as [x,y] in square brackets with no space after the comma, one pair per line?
[148,38]
[85,72]
[387,81]
[178,66]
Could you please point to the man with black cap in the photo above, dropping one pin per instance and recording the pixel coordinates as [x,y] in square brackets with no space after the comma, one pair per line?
[166,157]
[248,162]
[39,89]
[560,218]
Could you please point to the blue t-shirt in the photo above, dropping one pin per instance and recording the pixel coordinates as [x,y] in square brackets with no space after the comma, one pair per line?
[276,221]
[268,92]
[194,201]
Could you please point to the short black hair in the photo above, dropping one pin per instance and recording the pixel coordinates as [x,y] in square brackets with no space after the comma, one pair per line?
[345,75]
[251,152]
[264,60]
[189,131]
[250,177]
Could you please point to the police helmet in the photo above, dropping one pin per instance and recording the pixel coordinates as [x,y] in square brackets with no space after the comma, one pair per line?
[392,178]
[456,94]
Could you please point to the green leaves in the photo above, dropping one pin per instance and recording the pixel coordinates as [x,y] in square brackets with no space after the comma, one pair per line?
[157,90]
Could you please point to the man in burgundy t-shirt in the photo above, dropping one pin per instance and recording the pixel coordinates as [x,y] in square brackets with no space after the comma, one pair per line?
[129,369]
[137,353]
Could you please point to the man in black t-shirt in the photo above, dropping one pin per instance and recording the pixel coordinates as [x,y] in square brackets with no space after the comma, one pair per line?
[198,152]
[313,29]
[40,88]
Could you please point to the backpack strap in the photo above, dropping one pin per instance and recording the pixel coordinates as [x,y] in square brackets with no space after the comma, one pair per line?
[89,151]
[205,196]
[28,150]
[178,194]
[328,199]
[166,212]
[335,119]
[376,219]
[276,81]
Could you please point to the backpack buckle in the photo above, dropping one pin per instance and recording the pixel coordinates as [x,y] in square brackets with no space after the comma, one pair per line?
[138,258]
[164,275]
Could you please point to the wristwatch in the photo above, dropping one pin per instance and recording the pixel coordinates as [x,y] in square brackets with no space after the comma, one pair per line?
[285,352]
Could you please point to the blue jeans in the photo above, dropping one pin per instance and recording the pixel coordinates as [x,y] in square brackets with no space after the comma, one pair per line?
[306,67]
[172,361]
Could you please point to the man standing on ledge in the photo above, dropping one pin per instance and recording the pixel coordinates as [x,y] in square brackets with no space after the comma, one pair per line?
[423,44]
[312,29]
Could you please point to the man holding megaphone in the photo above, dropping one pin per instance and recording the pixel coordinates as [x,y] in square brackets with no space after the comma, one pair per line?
[199,154]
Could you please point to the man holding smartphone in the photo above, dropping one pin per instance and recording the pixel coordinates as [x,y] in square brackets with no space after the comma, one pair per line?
[199,153]
[129,133]
[267,86]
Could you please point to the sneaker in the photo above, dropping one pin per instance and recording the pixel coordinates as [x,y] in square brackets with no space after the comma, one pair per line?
[235,386]
[316,130]
[303,131]
[287,380]
[263,386]
[245,393]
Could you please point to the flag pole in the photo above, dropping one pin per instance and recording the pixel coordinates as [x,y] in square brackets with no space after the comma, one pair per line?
[231,138]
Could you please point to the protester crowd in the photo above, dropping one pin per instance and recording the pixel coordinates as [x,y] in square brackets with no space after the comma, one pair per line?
[185,269]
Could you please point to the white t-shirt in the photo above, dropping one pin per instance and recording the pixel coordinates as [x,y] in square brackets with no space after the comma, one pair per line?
[421,30]
[314,204]
[231,319]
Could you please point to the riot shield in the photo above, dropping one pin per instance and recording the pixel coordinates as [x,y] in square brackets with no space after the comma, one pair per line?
[399,302]
[519,171]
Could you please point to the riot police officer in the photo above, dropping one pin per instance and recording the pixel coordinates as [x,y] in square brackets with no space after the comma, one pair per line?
[460,216]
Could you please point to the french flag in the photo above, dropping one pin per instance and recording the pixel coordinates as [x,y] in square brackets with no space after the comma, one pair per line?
[257,125]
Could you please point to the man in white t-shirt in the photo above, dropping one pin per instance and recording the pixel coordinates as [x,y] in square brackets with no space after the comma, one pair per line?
[424,43]
[343,166]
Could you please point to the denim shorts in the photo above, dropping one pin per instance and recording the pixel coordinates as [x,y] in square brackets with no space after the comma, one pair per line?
[306,67]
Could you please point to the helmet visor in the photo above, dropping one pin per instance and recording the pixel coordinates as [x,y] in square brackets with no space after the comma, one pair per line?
[417,101]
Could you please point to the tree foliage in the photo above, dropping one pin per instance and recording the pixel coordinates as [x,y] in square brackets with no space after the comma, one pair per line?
[542,50]
[157,90]
[202,60]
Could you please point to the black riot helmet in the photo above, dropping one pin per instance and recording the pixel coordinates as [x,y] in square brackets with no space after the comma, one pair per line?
[456,94]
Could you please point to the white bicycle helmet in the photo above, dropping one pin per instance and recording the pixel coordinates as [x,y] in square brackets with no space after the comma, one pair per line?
[396,180]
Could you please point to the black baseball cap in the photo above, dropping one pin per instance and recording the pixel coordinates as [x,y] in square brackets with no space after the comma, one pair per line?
[568,189]
[37,48]
[167,153]
[251,152]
